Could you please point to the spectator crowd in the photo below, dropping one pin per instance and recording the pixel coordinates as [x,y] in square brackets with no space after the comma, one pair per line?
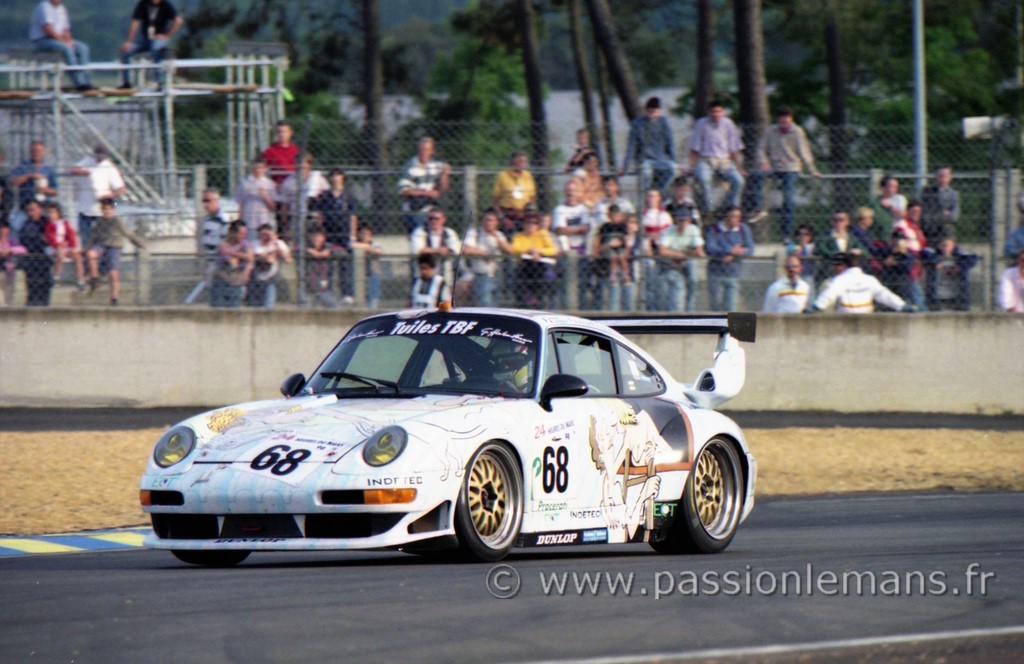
[595,249]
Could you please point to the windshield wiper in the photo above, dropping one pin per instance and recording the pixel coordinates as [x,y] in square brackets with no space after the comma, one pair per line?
[375,383]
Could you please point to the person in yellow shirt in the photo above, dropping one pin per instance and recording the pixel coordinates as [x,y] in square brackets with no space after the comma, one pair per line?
[514,192]
[536,270]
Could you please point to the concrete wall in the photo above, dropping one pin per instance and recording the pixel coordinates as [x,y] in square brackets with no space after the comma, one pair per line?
[963,363]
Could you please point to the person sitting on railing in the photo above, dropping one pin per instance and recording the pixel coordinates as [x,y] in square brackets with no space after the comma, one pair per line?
[104,254]
[103,180]
[63,243]
[153,24]
[651,147]
[514,193]
[50,30]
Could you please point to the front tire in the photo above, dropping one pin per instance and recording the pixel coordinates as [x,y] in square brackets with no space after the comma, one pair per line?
[709,511]
[211,558]
[489,512]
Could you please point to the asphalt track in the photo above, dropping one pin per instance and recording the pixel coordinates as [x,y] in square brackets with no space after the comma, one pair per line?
[928,577]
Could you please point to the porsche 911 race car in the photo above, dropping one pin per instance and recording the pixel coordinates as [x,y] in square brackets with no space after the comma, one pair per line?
[467,433]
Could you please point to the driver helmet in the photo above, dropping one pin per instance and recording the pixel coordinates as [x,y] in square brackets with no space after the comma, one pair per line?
[513,365]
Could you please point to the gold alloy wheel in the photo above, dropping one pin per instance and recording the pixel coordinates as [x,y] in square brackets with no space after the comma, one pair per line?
[488,496]
[708,489]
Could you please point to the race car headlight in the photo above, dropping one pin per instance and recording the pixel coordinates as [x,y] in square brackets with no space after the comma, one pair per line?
[384,446]
[174,446]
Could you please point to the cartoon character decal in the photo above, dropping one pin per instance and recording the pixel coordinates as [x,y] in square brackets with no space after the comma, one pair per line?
[623,446]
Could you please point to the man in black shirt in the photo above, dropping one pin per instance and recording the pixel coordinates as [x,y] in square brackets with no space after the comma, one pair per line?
[153,24]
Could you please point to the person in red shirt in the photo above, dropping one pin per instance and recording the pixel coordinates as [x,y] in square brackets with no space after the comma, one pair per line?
[282,153]
[62,243]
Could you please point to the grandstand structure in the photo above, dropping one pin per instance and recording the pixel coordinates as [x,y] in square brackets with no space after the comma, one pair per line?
[137,125]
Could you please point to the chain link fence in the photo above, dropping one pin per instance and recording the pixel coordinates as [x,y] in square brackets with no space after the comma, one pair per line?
[852,160]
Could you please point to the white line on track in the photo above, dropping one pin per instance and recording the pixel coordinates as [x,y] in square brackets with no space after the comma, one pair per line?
[784,648]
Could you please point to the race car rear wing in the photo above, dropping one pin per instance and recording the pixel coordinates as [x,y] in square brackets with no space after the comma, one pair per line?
[739,326]
[725,378]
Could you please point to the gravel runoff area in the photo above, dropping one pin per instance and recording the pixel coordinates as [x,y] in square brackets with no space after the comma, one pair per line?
[62,472]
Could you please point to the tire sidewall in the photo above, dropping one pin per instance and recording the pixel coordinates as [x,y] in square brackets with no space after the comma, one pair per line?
[698,535]
[470,542]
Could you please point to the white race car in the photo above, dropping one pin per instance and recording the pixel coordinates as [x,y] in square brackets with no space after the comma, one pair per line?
[466,433]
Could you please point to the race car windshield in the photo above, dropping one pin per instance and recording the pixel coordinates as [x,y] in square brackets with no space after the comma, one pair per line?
[447,353]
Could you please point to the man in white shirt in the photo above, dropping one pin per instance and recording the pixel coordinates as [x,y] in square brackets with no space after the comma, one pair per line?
[436,239]
[422,184]
[101,180]
[50,30]
[853,292]
[572,224]
[789,294]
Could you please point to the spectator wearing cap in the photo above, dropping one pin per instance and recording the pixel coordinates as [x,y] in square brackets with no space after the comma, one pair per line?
[782,152]
[98,179]
[947,271]
[727,243]
[900,268]
[106,243]
[651,147]
[716,150]
[790,293]
[853,292]
[678,250]
[1011,285]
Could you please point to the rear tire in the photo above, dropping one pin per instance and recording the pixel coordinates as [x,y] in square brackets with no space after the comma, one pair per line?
[709,511]
[489,512]
[211,558]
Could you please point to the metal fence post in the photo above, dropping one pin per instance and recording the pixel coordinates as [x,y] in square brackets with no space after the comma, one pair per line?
[359,276]
[469,193]
[997,225]
[571,284]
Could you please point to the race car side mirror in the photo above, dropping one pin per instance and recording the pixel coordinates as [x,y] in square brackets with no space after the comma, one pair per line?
[561,386]
[292,385]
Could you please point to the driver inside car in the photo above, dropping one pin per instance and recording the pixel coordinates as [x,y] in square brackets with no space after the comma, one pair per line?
[513,366]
